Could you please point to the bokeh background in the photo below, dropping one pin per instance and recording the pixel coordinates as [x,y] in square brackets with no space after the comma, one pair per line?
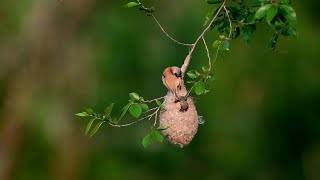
[56,57]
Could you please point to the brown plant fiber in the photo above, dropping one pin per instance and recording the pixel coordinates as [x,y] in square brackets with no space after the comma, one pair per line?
[183,125]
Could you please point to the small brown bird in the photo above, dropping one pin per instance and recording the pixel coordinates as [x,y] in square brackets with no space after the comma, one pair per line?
[179,112]
[171,78]
[182,102]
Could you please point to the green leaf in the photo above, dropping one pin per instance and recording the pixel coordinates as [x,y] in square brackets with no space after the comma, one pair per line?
[134,96]
[135,110]
[251,18]
[156,135]
[161,128]
[288,12]
[247,32]
[211,77]
[89,126]
[225,27]
[124,110]
[108,110]
[193,74]
[222,37]
[131,4]
[262,11]
[95,129]
[149,11]
[289,31]
[146,140]
[272,12]
[141,98]
[238,13]
[89,111]
[144,107]
[278,26]
[204,69]
[160,104]
[82,114]
[256,3]
[236,33]
[214,1]
[199,88]
[273,41]
[209,16]
[285,2]
[218,23]
[114,120]
[207,88]
[216,44]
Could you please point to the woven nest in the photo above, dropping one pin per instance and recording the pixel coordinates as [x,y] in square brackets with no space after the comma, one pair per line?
[182,125]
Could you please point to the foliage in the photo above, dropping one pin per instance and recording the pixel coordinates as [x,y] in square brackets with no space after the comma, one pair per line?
[245,17]
[136,106]
[231,19]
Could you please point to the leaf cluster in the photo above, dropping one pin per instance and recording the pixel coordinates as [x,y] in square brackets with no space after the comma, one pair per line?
[136,106]
[238,19]
[245,16]
[155,134]
[200,80]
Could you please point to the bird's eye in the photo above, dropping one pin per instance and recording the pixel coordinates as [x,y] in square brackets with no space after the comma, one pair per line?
[177,75]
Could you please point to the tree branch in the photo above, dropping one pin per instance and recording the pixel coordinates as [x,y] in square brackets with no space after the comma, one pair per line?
[188,58]
[162,29]
[183,67]
[136,121]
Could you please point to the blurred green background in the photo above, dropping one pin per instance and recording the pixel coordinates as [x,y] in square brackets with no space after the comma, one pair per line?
[56,57]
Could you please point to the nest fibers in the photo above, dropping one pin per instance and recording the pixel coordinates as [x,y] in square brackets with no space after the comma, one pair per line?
[182,125]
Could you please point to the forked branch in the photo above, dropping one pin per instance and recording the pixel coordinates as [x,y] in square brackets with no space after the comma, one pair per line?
[201,36]
[188,58]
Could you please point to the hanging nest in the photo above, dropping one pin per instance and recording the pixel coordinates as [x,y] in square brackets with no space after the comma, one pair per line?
[182,124]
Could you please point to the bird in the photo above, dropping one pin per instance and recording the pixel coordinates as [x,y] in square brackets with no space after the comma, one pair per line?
[179,113]
[182,103]
[172,78]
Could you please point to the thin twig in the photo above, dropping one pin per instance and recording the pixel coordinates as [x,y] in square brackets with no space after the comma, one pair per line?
[187,59]
[148,101]
[151,109]
[131,123]
[150,117]
[156,117]
[208,53]
[227,13]
[124,125]
[162,29]
[190,89]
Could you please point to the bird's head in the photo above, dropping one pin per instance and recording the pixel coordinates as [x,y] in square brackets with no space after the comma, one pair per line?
[171,77]
[172,71]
